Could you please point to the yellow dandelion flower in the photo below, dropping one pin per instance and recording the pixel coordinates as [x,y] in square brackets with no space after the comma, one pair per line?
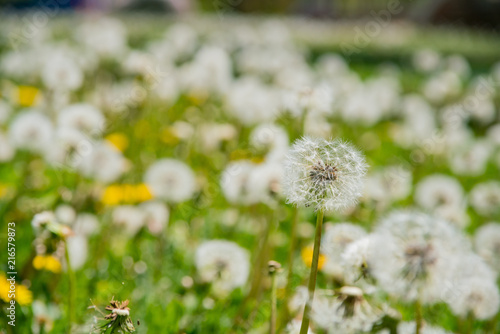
[27,95]
[39,262]
[22,294]
[143,193]
[118,140]
[307,255]
[52,264]
[112,195]
[4,288]
[47,262]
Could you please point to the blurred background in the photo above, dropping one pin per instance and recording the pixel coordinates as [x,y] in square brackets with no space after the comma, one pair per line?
[481,14]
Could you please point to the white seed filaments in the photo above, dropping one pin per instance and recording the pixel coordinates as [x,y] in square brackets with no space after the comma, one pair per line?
[327,175]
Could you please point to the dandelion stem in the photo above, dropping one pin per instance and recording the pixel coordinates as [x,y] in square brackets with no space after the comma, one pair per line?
[291,251]
[291,254]
[272,325]
[314,272]
[71,287]
[418,317]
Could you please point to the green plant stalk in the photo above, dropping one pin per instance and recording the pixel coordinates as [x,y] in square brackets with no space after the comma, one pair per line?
[291,254]
[272,325]
[255,287]
[469,323]
[418,317]
[291,251]
[304,327]
[71,288]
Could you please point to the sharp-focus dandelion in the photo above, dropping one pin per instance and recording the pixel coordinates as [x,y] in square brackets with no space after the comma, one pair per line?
[325,175]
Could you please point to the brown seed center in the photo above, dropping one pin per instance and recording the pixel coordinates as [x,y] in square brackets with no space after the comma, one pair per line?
[323,173]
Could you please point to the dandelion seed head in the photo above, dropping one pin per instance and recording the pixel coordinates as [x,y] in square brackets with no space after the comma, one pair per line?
[487,244]
[223,263]
[323,174]
[410,254]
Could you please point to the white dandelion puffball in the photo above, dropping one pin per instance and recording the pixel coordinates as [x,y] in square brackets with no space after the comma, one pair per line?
[83,117]
[409,328]
[62,73]
[103,163]
[327,175]
[476,295]
[31,130]
[223,263]
[487,244]
[439,190]
[485,197]
[347,312]
[411,254]
[335,240]
[235,182]
[157,215]
[130,217]
[171,180]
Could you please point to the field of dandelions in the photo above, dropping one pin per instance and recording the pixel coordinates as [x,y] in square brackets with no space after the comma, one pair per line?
[209,175]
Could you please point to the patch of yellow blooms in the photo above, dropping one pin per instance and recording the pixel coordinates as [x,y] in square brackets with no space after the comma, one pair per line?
[47,262]
[126,194]
[23,295]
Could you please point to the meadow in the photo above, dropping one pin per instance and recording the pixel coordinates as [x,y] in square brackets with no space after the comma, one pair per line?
[169,176]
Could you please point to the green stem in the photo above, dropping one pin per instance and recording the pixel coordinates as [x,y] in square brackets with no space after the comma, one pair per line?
[71,288]
[262,257]
[285,315]
[314,272]
[418,317]
[291,251]
[263,253]
[161,245]
[470,323]
[272,325]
